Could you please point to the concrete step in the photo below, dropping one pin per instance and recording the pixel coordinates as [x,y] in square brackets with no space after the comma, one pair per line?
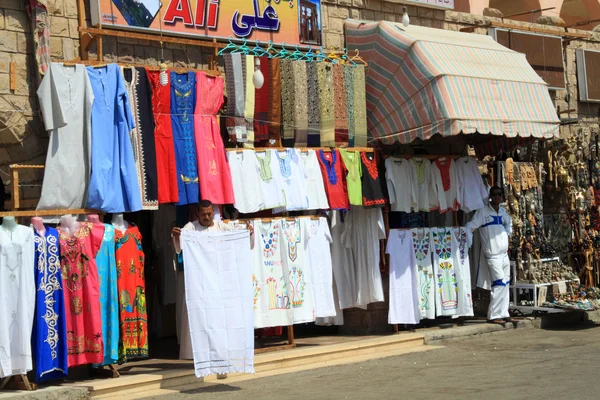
[265,364]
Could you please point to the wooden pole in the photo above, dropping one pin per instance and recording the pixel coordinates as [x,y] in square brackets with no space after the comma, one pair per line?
[81,22]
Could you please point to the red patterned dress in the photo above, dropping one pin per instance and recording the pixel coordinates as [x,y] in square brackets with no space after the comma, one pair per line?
[163,137]
[82,293]
[133,320]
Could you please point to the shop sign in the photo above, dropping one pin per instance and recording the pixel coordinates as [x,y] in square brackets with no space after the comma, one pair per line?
[449,4]
[293,21]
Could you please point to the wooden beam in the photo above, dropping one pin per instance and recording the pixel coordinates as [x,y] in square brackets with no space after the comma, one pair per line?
[495,24]
[16,196]
[48,213]
[24,166]
[83,45]
[152,37]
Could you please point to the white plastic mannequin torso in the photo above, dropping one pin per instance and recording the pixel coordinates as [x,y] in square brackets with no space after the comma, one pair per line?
[119,222]
[69,224]
[9,223]
[38,224]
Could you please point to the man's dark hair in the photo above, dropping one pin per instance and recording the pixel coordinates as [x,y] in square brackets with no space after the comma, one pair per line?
[205,203]
[498,189]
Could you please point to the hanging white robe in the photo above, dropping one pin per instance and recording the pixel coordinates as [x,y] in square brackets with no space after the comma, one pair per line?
[17,299]
[245,179]
[472,192]
[319,260]
[344,271]
[404,296]
[218,291]
[363,230]
[270,280]
[401,188]
[422,248]
[66,99]
[444,268]
[426,193]
[463,272]
[447,194]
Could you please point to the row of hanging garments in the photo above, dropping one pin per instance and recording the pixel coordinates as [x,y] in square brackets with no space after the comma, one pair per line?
[293,179]
[430,274]
[120,141]
[305,103]
[76,296]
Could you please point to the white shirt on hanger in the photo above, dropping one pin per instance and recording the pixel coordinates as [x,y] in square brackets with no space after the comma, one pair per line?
[245,179]
[401,188]
[471,189]
[426,193]
[404,296]
[317,198]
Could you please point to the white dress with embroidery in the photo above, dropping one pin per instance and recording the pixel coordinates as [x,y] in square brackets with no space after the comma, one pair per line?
[270,277]
[463,272]
[317,198]
[295,260]
[17,299]
[319,258]
[444,267]
[245,179]
[446,183]
[404,297]
[293,180]
[270,179]
[422,248]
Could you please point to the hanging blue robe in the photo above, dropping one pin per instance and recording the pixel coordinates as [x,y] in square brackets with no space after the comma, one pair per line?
[114,186]
[50,352]
[183,104]
[109,298]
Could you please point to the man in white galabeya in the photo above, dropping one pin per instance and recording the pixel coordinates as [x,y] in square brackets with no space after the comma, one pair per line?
[493,273]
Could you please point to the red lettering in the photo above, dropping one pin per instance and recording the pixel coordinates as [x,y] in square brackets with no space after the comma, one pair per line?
[213,13]
[179,10]
[200,12]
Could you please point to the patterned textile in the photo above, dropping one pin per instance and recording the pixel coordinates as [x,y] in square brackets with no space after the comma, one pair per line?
[349,89]
[314,114]
[326,105]
[399,100]
[234,76]
[300,106]
[359,106]
[248,71]
[288,96]
[275,100]
[340,110]
[261,103]
[41,35]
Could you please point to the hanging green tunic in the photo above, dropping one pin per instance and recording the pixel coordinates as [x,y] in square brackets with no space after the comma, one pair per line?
[354,172]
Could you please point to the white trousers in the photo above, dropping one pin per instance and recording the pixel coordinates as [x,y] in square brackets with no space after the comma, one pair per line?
[500,296]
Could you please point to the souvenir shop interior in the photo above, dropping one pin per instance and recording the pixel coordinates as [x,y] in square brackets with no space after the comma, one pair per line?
[321,194]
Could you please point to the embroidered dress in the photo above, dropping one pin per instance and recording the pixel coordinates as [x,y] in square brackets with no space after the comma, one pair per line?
[446,297]
[295,260]
[132,294]
[270,278]
[142,136]
[426,193]
[113,185]
[340,107]
[353,165]
[404,295]
[109,298]
[66,98]
[319,261]
[183,104]
[82,293]
[271,186]
[401,187]
[425,283]
[372,181]
[334,176]
[163,138]
[446,182]
[17,286]
[246,181]
[463,272]
[49,340]
[293,179]
[300,106]
[213,169]
[360,106]
[317,198]
[472,193]
[326,105]
[314,113]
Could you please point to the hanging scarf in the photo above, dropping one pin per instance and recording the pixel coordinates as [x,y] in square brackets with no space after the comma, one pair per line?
[41,35]
[248,64]
[261,104]
[325,75]
[236,126]
[275,100]
[349,90]
[300,106]
[341,113]
[287,102]
[360,106]
[314,114]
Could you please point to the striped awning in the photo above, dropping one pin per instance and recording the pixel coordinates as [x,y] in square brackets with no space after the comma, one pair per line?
[423,81]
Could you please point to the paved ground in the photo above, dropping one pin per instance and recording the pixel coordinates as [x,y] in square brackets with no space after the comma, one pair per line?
[517,364]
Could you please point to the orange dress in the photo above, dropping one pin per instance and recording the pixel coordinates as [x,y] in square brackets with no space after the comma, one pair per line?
[133,319]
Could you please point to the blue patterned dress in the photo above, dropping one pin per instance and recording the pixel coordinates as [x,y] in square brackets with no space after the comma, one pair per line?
[183,104]
[109,298]
[50,333]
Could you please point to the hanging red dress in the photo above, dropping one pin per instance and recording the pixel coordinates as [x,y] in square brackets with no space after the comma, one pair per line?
[82,293]
[334,176]
[131,285]
[213,167]
[163,137]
